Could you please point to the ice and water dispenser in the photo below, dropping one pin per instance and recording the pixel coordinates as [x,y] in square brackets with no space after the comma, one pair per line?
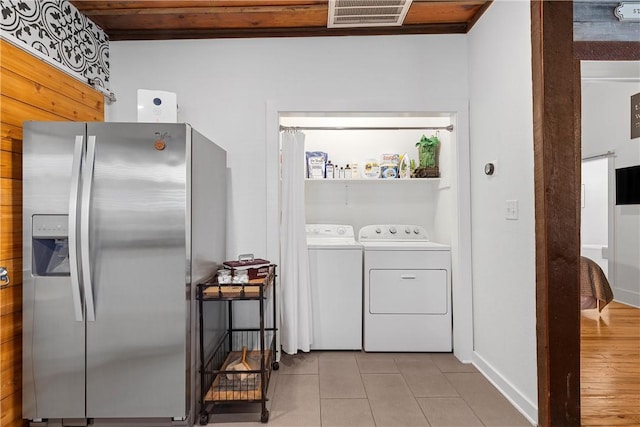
[50,245]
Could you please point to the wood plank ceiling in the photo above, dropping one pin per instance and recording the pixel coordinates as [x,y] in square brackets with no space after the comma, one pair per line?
[165,19]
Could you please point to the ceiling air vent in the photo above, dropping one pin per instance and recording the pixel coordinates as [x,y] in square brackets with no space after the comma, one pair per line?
[367,13]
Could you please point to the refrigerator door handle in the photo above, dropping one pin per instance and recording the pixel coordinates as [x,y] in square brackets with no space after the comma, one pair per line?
[73,238]
[84,228]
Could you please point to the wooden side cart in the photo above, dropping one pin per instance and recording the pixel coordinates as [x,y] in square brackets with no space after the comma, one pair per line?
[239,367]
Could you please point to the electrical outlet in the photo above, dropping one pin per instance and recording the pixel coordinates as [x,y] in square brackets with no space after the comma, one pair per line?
[511,209]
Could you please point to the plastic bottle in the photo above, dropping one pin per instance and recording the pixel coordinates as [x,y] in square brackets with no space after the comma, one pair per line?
[355,171]
[347,172]
[341,173]
[329,170]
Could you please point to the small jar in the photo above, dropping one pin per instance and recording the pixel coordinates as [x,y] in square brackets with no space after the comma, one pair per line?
[224,277]
[241,276]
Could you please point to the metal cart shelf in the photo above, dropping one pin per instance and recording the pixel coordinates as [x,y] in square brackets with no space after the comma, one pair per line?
[220,382]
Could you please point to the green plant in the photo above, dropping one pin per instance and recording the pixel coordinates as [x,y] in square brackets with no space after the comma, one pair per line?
[427,148]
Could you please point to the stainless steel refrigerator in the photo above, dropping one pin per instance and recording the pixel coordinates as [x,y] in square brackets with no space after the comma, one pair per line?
[121,221]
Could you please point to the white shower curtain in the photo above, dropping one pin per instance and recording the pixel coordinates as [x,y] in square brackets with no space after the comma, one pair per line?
[296,323]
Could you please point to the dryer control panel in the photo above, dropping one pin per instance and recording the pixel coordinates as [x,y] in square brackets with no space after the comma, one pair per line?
[393,232]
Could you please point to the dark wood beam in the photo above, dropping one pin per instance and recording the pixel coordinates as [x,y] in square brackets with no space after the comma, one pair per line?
[607,51]
[557,164]
[116,35]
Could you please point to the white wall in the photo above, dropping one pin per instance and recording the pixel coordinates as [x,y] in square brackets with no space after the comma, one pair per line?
[234,91]
[594,218]
[224,86]
[606,127]
[594,202]
[504,299]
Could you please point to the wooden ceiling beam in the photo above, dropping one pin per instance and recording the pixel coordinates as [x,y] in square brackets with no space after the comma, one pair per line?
[164,4]
[606,51]
[456,28]
[203,10]
[211,21]
[429,12]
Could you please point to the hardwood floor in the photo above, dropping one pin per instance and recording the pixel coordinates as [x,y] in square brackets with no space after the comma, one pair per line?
[610,366]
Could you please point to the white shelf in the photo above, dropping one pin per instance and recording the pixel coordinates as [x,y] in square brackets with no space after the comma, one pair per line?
[380,180]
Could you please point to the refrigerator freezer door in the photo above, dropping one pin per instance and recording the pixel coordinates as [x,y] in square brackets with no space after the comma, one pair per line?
[137,345]
[53,340]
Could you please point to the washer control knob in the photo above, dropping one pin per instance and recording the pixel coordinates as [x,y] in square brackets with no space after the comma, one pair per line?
[407,230]
[341,231]
[378,231]
[416,230]
[392,230]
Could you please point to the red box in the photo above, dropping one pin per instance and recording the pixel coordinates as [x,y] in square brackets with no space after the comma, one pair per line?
[257,268]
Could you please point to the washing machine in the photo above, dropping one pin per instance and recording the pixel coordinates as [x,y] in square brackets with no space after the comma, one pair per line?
[407,290]
[335,266]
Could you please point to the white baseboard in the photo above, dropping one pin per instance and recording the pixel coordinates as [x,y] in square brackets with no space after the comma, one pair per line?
[626,297]
[518,400]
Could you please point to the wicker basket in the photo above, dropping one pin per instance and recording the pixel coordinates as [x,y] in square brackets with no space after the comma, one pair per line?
[427,172]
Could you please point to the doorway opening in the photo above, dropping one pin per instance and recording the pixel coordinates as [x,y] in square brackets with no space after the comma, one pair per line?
[610,235]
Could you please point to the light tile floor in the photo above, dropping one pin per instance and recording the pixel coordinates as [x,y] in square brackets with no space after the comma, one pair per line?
[375,389]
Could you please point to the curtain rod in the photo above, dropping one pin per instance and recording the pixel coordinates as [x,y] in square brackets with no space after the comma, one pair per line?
[597,156]
[284,128]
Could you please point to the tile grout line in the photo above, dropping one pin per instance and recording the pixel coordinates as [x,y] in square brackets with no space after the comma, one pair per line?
[319,391]
[375,423]
[463,399]
[439,397]
[415,399]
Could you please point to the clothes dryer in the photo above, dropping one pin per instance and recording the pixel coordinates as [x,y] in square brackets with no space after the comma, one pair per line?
[407,290]
[335,264]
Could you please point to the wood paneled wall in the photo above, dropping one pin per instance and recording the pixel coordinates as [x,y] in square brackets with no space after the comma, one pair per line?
[31,89]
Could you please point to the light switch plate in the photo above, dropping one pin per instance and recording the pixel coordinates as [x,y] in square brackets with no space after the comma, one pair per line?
[511,209]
